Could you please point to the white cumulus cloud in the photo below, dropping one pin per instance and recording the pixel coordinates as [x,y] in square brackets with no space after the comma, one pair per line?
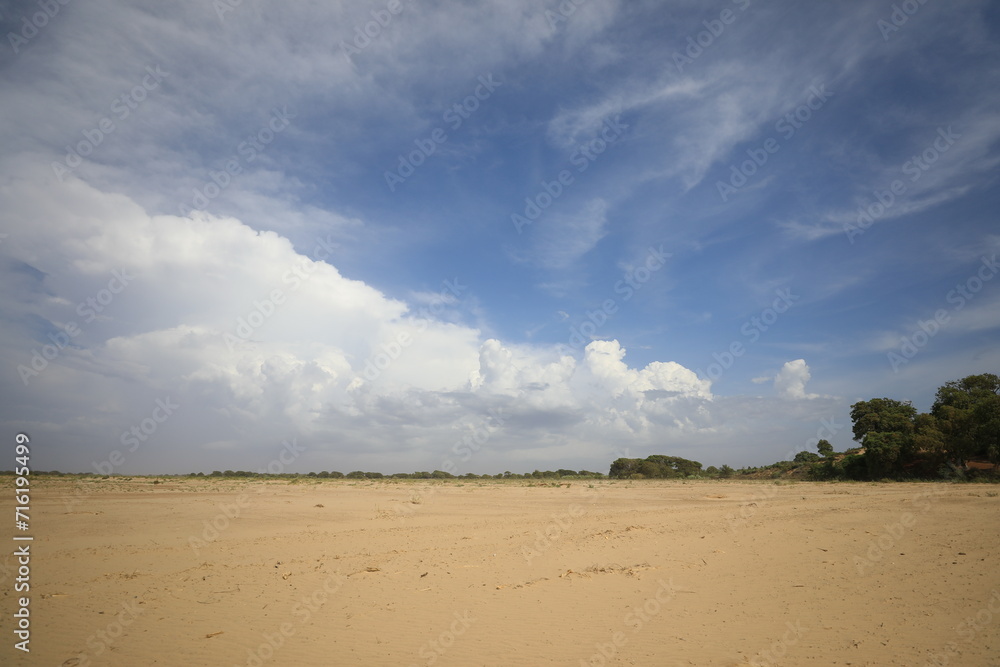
[791,380]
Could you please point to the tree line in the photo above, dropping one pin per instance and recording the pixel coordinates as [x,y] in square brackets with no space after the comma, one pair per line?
[896,442]
[963,426]
[436,474]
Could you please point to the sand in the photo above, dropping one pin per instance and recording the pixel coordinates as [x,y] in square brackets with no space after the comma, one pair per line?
[341,572]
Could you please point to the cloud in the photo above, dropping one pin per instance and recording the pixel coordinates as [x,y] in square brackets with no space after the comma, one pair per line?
[303,300]
[258,343]
[563,240]
[236,325]
[560,241]
[790,382]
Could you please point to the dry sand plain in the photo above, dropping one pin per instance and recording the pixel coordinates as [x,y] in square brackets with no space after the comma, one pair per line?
[478,573]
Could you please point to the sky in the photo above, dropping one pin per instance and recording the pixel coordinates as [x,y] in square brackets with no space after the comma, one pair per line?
[476,237]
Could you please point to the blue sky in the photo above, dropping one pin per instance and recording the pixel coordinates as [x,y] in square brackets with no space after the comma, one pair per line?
[487,237]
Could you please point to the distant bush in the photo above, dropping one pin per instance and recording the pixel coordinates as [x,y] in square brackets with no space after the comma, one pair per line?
[657,466]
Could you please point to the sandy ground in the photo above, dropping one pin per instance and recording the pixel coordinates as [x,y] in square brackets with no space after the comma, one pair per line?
[219,572]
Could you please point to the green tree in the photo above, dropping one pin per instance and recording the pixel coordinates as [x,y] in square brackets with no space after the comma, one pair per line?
[884,427]
[624,468]
[929,442]
[656,466]
[883,451]
[882,414]
[967,411]
[987,416]
[675,466]
[805,456]
[824,448]
[654,469]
